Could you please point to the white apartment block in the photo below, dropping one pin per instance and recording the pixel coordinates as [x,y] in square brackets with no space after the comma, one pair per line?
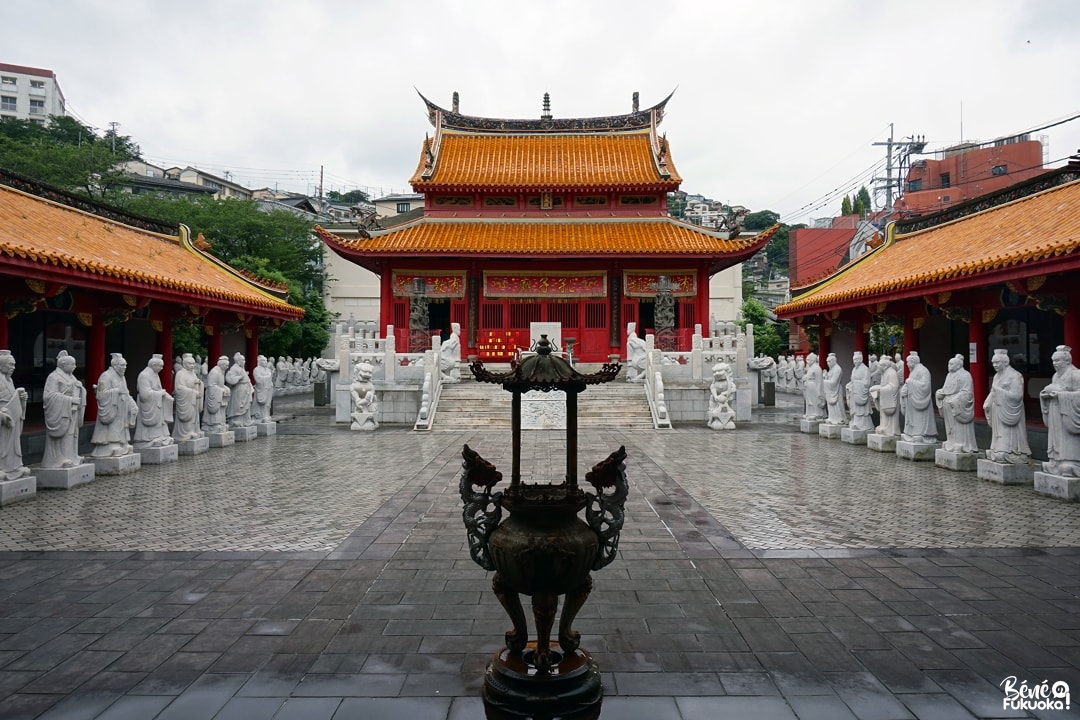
[28,93]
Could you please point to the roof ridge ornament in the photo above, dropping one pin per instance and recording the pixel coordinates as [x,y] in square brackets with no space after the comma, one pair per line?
[546,115]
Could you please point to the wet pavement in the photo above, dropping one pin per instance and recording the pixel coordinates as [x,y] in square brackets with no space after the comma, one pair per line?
[323,573]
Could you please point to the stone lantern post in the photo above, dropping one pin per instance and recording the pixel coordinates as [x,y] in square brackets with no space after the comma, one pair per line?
[543,549]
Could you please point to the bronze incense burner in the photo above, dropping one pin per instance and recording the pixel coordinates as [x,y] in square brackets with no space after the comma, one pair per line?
[543,549]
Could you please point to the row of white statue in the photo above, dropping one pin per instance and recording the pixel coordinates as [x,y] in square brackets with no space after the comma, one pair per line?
[830,400]
[226,400]
[286,373]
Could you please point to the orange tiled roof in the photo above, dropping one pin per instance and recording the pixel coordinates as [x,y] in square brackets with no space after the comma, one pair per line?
[958,254]
[543,236]
[38,233]
[554,162]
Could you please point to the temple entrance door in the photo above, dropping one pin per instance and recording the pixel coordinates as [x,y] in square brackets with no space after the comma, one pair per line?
[594,341]
[439,319]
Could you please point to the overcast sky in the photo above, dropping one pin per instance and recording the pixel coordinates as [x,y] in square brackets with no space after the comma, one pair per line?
[776,105]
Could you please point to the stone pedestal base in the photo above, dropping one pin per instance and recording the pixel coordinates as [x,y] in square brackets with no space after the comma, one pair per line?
[960,461]
[915,450]
[828,430]
[244,434]
[158,455]
[193,447]
[265,429]
[18,489]
[854,437]
[222,439]
[64,478]
[117,465]
[809,426]
[513,689]
[1059,486]
[1005,473]
[881,443]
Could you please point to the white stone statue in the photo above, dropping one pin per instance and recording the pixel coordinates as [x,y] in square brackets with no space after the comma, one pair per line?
[241,393]
[1004,408]
[916,397]
[956,401]
[635,355]
[65,406]
[721,393]
[216,398]
[264,390]
[813,392]
[365,404]
[789,373]
[858,394]
[832,382]
[769,370]
[281,377]
[1060,404]
[450,355]
[874,366]
[116,412]
[12,416]
[155,407]
[886,398]
[800,373]
[188,401]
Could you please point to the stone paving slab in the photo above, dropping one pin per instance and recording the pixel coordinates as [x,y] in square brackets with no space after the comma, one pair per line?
[762,573]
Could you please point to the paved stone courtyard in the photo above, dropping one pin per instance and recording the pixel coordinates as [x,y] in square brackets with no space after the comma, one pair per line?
[324,574]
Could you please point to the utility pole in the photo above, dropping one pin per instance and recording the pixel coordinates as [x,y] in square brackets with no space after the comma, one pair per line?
[320,186]
[112,131]
[904,150]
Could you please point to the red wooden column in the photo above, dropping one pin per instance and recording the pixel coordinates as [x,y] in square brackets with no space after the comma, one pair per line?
[862,332]
[386,304]
[703,302]
[824,331]
[164,347]
[251,355]
[214,342]
[95,361]
[910,341]
[1072,321]
[978,360]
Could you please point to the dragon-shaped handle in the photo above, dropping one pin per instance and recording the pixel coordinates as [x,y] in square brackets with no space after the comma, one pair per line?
[604,510]
[482,509]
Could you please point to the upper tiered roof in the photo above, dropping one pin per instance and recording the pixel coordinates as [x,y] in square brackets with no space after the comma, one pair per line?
[617,152]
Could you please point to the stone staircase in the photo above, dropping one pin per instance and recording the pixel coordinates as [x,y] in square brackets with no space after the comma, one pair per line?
[470,405]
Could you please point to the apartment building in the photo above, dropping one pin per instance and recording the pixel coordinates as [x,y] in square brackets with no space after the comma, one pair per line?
[28,93]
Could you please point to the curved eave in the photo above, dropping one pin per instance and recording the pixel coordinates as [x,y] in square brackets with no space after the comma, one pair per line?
[45,240]
[1033,235]
[659,238]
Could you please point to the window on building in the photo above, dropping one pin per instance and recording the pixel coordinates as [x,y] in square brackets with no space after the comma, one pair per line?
[37,107]
[403,207]
[8,83]
[37,84]
[8,103]
[946,180]
[999,170]
[915,185]
[946,198]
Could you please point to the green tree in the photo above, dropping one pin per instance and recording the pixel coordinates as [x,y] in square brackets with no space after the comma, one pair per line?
[770,337]
[886,338]
[676,204]
[776,250]
[863,199]
[761,220]
[845,206]
[65,153]
[352,197]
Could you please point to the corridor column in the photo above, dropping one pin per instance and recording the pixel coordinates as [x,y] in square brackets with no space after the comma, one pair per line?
[978,360]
